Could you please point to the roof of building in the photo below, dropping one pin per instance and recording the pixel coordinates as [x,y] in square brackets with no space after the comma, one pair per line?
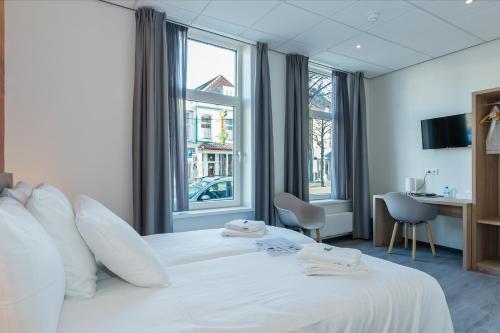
[216,146]
[215,85]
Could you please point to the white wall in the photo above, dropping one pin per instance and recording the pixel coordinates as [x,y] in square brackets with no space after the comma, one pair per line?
[68,92]
[69,71]
[395,105]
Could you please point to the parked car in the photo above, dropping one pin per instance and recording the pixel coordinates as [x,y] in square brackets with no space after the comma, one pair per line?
[211,188]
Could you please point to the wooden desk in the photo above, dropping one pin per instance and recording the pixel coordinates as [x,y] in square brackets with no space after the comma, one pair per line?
[461,208]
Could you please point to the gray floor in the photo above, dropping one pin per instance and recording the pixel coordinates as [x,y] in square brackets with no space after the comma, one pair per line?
[473,298]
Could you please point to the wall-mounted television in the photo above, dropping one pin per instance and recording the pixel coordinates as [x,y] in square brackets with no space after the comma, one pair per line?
[447,132]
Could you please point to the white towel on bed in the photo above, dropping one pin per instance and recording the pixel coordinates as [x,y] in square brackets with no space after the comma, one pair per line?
[333,269]
[234,233]
[245,225]
[327,254]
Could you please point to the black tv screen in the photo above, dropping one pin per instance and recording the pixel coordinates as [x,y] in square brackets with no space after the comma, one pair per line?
[447,132]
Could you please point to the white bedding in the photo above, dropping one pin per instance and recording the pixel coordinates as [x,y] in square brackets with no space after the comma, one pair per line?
[191,246]
[255,292]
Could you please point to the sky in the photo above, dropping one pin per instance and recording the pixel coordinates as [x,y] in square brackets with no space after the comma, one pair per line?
[206,61]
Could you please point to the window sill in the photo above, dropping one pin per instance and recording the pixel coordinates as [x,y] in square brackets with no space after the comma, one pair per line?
[209,212]
[323,202]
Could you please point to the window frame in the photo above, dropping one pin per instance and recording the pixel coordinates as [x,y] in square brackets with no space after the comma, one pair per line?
[323,116]
[231,101]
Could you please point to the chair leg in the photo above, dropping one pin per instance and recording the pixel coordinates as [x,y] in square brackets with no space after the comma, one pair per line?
[429,234]
[318,236]
[414,243]
[405,232]
[393,237]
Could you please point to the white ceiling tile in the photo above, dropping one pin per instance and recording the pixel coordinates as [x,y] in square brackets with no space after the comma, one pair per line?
[291,47]
[216,25]
[378,51]
[287,21]
[175,10]
[322,7]
[357,14]
[180,15]
[259,36]
[240,12]
[480,17]
[326,34]
[425,33]
[191,5]
[350,64]
[124,3]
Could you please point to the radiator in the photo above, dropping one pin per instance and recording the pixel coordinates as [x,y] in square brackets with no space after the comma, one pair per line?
[337,224]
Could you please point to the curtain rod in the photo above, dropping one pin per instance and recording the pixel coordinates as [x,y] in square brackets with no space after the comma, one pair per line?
[220,35]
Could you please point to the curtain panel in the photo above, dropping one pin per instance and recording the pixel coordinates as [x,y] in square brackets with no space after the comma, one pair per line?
[264,153]
[158,147]
[297,126]
[342,138]
[362,227]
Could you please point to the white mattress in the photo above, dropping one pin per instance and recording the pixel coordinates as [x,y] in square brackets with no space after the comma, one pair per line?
[191,246]
[255,292]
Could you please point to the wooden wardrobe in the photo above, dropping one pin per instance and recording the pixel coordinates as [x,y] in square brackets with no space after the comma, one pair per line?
[485,188]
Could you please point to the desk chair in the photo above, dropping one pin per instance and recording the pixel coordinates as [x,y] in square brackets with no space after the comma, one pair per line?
[298,214]
[408,211]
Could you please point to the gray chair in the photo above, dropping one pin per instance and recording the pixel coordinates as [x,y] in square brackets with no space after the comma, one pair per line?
[408,211]
[297,214]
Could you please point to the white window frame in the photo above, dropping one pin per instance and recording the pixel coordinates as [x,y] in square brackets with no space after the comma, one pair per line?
[323,116]
[219,99]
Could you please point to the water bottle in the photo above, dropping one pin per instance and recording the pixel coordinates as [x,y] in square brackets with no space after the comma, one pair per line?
[447,192]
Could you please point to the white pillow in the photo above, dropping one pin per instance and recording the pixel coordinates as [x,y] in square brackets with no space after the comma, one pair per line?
[54,212]
[20,192]
[31,273]
[117,245]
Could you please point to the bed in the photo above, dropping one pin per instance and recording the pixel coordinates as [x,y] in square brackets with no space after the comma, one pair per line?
[224,285]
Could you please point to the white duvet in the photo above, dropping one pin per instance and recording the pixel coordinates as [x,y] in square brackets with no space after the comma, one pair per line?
[190,246]
[255,292]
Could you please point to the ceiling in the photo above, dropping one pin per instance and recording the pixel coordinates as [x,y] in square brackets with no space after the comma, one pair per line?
[405,33]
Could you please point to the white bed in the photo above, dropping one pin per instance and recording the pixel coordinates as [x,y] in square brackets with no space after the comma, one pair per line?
[247,291]
[191,246]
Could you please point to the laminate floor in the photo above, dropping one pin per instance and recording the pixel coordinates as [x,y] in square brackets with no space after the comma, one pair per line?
[473,298]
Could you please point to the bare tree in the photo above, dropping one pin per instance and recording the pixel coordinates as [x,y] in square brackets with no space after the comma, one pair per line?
[320,97]
[321,135]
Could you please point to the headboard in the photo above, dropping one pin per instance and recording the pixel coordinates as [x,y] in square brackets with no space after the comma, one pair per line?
[6,180]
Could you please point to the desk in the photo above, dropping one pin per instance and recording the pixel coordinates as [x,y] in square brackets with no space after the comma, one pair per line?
[461,208]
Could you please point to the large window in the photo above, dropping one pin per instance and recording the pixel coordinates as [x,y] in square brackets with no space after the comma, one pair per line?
[212,117]
[320,135]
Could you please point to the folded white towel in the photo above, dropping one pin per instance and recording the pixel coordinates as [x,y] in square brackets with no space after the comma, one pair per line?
[234,233]
[245,225]
[327,254]
[332,269]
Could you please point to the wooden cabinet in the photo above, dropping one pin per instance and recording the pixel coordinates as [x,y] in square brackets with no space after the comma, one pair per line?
[486,187]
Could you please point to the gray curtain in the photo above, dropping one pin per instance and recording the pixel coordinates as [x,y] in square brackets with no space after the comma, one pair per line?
[362,227]
[176,106]
[342,134]
[264,153]
[297,126]
[158,123]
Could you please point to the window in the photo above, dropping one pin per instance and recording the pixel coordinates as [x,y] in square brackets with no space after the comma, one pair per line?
[212,108]
[320,135]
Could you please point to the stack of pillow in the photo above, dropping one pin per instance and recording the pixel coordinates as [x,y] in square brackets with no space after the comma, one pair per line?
[48,251]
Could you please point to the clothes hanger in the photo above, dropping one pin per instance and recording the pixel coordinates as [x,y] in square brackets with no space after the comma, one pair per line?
[494,113]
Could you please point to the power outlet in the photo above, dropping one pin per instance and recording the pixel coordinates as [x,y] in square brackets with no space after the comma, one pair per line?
[432,172]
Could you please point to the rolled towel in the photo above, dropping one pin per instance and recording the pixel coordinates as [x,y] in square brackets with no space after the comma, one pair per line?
[234,233]
[332,269]
[245,225]
[327,254]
